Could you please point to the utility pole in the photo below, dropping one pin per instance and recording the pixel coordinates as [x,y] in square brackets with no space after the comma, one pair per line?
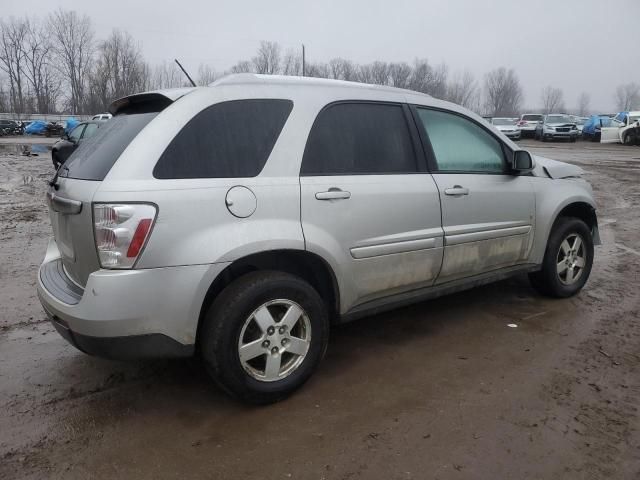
[303,62]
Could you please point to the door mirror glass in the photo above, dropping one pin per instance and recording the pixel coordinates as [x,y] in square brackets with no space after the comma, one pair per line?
[522,161]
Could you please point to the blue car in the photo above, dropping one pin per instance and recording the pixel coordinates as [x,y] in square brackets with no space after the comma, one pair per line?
[591,129]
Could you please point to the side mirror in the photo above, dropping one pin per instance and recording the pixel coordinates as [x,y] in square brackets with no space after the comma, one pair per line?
[522,161]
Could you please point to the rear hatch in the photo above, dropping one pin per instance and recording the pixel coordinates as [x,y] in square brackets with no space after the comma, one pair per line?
[76,182]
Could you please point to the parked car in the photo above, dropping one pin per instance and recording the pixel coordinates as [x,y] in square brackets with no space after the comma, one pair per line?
[101,116]
[64,147]
[528,123]
[53,129]
[556,126]
[10,127]
[245,217]
[507,126]
[579,121]
[624,128]
[592,127]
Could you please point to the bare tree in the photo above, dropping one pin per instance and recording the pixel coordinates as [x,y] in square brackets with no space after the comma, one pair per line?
[12,36]
[627,97]
[119,71]
[38,70]
[399,74]
[166,75]
[342,69]
[292,63]
[73,45]
[206,75]
[380,73]
[583,104]
[242,67]
[429,80]
[318,70]
[365,74]
[267,59]
[462,90]
[552,99]
[503,93]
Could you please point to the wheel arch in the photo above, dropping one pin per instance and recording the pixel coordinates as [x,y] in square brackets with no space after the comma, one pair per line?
[302,263]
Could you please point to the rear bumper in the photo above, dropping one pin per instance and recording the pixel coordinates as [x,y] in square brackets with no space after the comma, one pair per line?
[513,134]
[127,313]
[153,345]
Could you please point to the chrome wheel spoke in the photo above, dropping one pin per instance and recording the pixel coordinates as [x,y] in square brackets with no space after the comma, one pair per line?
[562,266]
[570,275]
[272,368]
[577,243]
[297,346]
[292,316]
[565,247]
[263,318]
[251,350]
[580,262]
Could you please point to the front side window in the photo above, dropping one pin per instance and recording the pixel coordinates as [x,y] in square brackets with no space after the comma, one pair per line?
[76,133]
[90,130]
[225,140]
[359,138]
[459,145]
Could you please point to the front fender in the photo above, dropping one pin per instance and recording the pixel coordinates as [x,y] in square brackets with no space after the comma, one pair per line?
[552,197]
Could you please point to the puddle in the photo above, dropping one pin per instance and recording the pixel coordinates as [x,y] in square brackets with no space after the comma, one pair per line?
[21,148]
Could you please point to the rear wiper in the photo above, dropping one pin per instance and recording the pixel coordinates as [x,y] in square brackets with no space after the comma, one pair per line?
[54,181]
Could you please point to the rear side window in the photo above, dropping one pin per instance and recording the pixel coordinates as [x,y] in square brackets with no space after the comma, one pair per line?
[93,159]
[229,139]
[359,138]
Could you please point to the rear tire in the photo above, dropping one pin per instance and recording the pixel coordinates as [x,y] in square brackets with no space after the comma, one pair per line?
[267,315]
[567,260]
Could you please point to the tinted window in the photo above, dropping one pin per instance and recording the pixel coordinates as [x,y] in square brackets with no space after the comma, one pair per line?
[76,133]
[532,118]
[229,139]
[90,130]
[461,145]
[93,159]
[359,138]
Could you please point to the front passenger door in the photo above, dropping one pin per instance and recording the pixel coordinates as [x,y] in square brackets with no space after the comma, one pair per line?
[487,212]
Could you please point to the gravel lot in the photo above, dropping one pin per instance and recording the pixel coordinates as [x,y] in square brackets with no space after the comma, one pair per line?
[440,390]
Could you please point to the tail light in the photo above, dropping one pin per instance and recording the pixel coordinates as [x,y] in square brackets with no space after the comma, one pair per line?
[521,123]
[121,232]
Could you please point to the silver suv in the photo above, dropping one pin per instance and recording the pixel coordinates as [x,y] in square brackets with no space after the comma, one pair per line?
[240,220]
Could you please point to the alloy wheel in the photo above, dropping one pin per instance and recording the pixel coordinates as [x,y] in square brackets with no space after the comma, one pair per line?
[571,259]
[274,340]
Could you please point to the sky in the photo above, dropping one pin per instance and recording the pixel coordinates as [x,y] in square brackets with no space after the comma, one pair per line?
[577,45]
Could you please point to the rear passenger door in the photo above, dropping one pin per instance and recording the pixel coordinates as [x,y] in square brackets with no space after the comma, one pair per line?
[368,204]
[487,212]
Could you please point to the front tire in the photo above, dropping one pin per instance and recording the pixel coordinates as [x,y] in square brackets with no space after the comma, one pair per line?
[567,260]
[264,336]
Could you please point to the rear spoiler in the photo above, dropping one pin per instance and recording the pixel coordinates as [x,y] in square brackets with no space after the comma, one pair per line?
[148,101]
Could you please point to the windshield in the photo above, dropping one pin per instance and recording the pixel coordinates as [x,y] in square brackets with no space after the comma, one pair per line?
[532,118]
[503,121]
[93,159]
[559,119]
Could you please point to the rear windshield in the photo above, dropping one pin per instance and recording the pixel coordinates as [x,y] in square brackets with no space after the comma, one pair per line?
[95,156]
[532,117]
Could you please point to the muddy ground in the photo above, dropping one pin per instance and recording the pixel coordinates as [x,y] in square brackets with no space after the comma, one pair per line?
[440,390]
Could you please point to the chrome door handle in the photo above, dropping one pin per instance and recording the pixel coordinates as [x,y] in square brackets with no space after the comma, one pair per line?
[333,194]
[456,190]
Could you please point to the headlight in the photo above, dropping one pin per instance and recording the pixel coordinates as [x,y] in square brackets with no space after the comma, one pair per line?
[546,127]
